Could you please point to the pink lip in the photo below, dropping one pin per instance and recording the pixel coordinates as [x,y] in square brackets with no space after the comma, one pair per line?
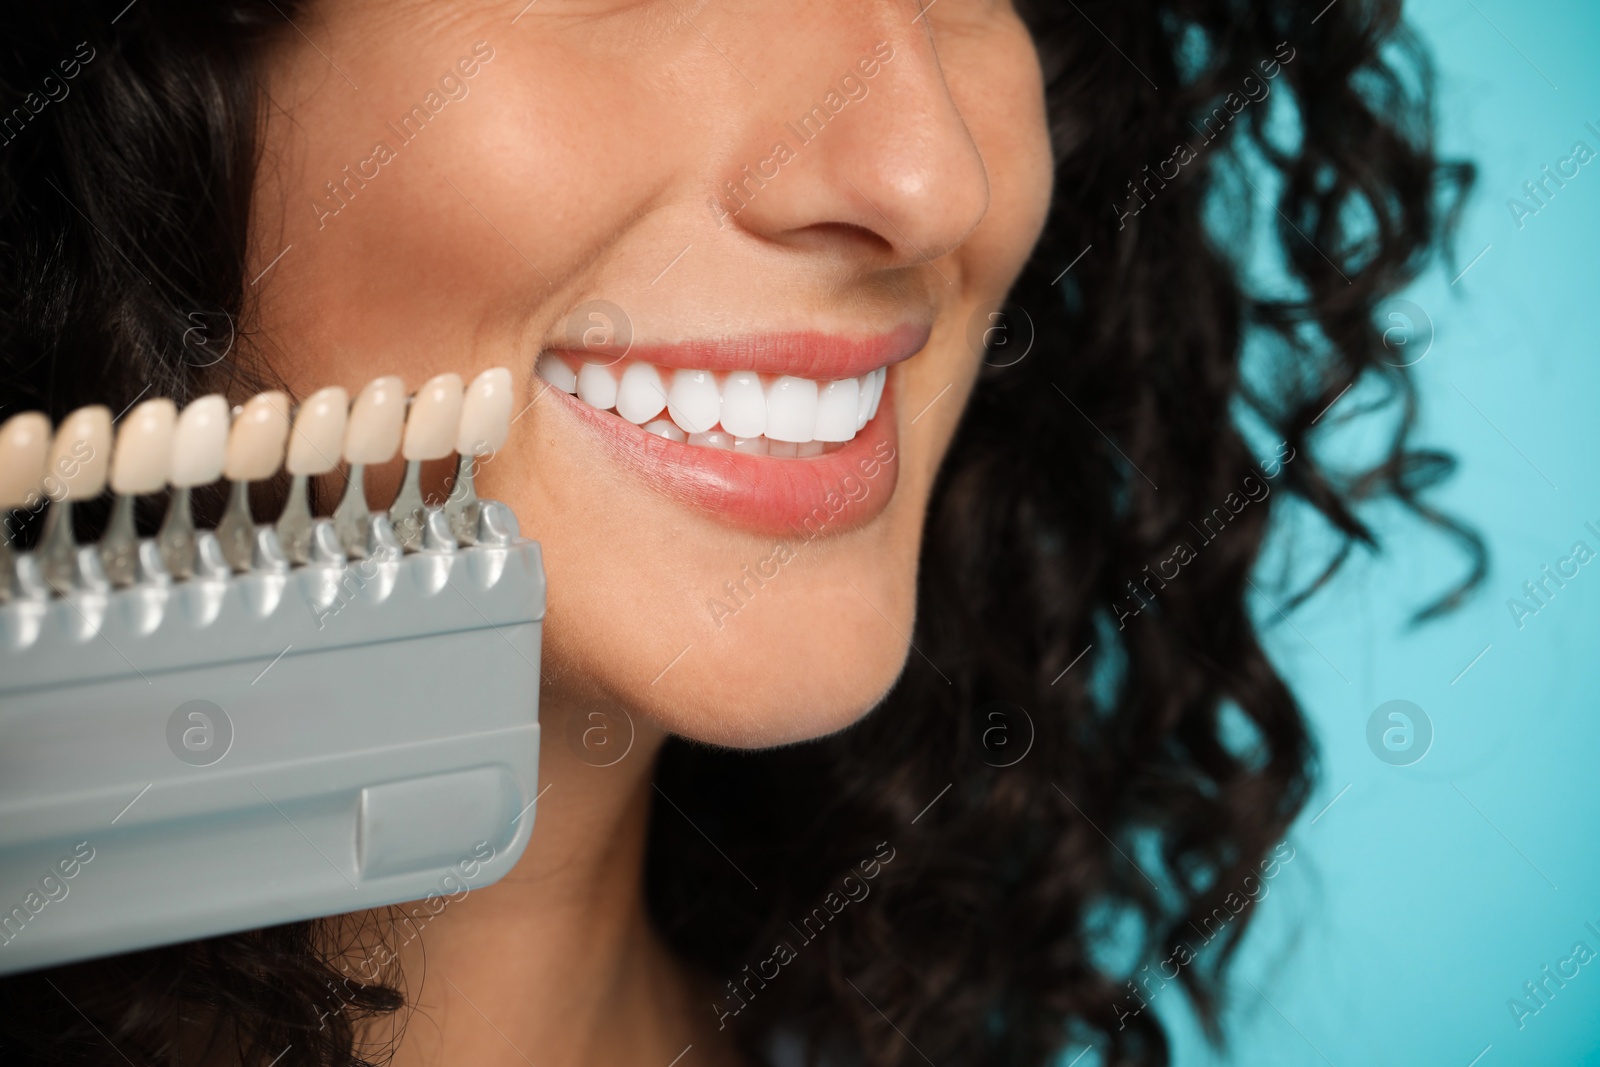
[804,354]
[829,493]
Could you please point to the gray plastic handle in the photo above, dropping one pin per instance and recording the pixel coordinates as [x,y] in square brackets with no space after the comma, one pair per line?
[188,759]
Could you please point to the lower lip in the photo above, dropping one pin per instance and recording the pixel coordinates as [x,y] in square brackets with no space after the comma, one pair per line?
[830,493]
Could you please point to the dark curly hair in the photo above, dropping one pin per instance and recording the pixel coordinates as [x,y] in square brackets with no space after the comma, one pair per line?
[1163,756]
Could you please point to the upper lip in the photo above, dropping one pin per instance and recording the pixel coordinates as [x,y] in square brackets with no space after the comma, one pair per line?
[801,354]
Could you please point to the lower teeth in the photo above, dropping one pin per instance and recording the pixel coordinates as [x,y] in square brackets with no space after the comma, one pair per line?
[720,439]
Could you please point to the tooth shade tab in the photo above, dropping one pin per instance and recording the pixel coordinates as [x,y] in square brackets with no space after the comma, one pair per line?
[199,442]
[24,450]
[435,419]
[485,413]
[255,443]
[80,456]
[372,434]
[143,455]
[317,440]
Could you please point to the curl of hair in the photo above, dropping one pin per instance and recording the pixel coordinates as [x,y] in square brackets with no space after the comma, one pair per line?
[1075,471]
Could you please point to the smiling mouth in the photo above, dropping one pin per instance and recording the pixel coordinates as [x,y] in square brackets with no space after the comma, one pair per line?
[744,411]
[770,432]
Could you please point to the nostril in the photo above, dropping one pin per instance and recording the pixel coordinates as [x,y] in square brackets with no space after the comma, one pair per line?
[844,234]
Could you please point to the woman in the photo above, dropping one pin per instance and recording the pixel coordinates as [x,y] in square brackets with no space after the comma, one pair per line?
[909,724]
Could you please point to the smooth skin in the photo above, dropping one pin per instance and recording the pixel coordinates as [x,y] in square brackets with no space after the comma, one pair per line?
[580,162]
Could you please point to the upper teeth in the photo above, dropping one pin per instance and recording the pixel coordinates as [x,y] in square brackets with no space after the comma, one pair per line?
[743,405]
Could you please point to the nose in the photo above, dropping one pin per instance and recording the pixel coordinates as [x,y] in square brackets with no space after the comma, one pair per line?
[872,150]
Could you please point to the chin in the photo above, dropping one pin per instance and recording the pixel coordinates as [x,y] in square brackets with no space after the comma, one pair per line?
[747,641]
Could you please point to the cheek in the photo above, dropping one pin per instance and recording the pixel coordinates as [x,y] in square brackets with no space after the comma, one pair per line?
[1000,92]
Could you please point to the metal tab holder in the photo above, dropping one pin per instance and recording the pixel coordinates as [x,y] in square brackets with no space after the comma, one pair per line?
[186,758]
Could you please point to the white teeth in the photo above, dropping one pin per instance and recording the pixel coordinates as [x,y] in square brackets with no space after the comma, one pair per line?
[714,439]
[792,409]
[665,428]
[837,404]
[557,373]
[741,410]
[597,386]
[744,404]
[641,396]
[693,401]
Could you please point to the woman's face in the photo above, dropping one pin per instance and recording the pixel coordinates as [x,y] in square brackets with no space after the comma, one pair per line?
[779,194]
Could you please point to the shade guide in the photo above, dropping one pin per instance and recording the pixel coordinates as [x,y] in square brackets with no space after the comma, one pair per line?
[317,441]
[24,449]
[143,455]
[434,420]
[80,455]
[159,446]
[200,442]
[256,440]
[372,434]
[485,413]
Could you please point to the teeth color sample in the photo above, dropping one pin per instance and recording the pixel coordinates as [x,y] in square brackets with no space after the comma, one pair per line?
[318,437]
[641,396]
[837,403]
[199,442]
[792,409]
[435,419]
[256,440]
[597,386]
[878,377]
[485,413]
[80,456]
[744,404]
[372,434]
[24,448]
[693,400]
[144,448]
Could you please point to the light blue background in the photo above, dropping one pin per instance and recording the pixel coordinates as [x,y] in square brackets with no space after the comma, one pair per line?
[1423,898]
